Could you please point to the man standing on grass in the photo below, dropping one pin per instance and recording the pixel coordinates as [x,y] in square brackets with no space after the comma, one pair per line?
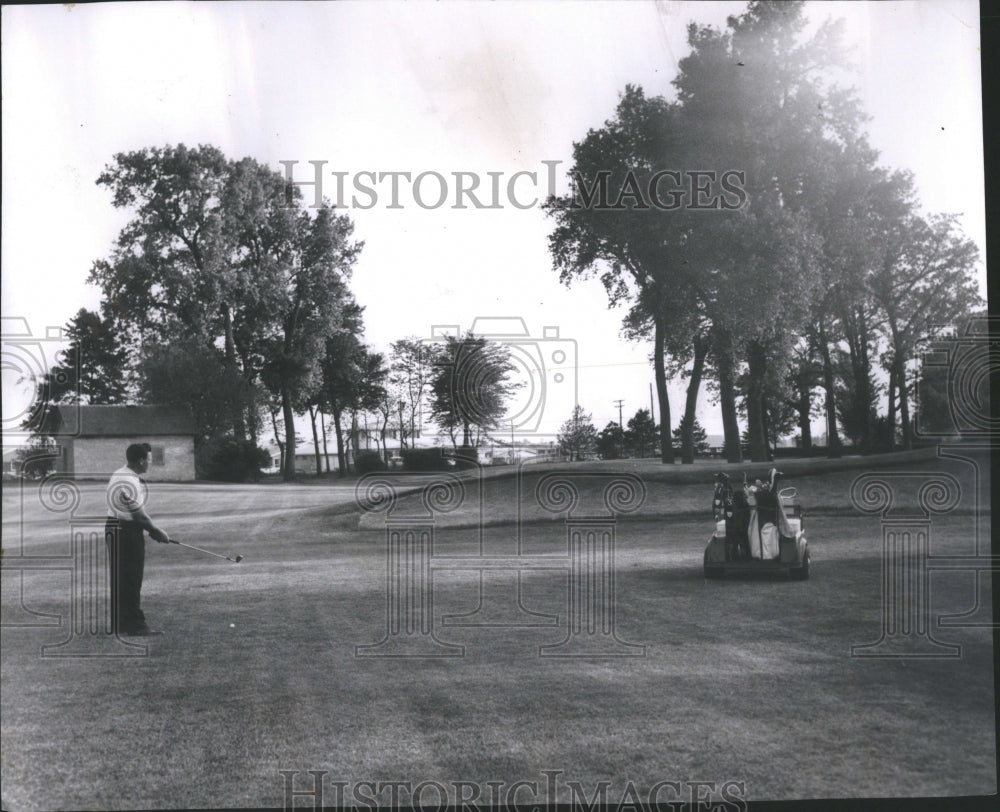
[127,519]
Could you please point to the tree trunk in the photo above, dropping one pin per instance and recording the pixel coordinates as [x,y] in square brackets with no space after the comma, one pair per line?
[312,421]
[326,452]
[341,455]
[239,422]
[804,408]
[770,435]
[660,373]
[904,404]
[691,403]
[253,426]
[857,343]
[727,399]
[286,412]
[830,401]
[891,419]
[277,439]
[755,401]
[355,440]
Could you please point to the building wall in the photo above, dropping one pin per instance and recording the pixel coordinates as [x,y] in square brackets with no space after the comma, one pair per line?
[306,463]
[100,456]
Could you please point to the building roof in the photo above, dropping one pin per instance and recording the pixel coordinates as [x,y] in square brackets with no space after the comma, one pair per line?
[73,420]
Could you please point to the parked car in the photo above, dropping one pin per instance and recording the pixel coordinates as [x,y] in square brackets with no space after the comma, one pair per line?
[758,528]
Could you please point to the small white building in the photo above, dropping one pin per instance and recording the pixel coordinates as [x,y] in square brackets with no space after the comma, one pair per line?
[92,439]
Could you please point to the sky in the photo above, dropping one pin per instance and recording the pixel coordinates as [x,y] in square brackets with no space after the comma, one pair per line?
[421,88]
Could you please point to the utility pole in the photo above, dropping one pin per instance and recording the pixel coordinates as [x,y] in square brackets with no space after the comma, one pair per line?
[621,428]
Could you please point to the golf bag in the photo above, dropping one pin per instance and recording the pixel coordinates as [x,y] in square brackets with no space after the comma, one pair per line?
[767,523]
[731,506]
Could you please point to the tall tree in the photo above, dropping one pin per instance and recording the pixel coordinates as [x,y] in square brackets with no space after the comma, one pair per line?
[756,96]
[92,369]
[804,374]
[471,386]
[611,442]
[168,274]
[577,437]
[925,280]
[641,434]
[696,432]
[219,252]
[412,368]
[621,220]
[184,372]
[353,378]
[308,300]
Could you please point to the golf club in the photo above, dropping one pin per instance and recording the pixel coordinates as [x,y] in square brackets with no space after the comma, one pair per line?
[236,560]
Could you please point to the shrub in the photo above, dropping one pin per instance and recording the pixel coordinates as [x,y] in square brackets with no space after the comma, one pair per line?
[440,459]
[368,461]
[425,459]
[227,459]
[466,456]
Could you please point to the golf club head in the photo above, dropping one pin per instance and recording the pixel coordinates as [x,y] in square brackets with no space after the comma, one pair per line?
[238,559]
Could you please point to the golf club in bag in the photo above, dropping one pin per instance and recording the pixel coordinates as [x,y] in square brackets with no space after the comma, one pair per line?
[236,560]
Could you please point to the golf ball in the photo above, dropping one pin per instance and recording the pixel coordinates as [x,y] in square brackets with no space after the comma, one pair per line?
[232,625]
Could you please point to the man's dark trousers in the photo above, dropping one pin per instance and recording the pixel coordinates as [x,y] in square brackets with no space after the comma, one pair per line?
[127,557]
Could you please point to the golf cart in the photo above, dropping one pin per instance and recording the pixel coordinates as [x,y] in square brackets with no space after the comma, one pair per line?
[758,528]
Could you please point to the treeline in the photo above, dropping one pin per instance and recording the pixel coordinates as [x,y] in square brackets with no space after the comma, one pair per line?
[222,293]
[225,295]
[788,264]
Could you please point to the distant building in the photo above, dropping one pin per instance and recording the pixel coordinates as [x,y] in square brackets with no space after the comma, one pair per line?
[716,442]
[92,439]
[12,462]
[305,461]
[368,441]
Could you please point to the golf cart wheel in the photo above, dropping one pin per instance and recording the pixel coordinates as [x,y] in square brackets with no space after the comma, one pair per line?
[712,573]
[802,573]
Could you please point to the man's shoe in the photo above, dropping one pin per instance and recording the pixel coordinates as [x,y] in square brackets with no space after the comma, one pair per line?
[141,631]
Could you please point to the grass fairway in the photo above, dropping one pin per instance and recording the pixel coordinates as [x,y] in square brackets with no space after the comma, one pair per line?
[748,680]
